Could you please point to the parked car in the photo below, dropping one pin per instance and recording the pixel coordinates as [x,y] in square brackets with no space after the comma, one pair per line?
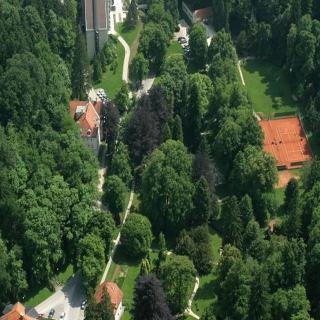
[51,313]
[63,315]
[182,39]
[83,304]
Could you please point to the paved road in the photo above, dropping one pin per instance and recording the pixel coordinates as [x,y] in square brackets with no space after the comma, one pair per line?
[67,300]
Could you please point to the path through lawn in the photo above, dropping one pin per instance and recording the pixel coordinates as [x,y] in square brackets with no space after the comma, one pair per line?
[205,294]
[131,36]
[268,87]
[112,80]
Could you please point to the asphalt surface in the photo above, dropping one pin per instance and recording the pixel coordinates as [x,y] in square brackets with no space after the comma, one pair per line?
[67,300]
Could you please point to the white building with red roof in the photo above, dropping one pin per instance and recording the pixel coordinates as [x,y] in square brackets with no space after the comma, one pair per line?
[115,296]
[87,116]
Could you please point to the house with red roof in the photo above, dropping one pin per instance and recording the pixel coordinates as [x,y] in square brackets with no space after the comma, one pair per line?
[87,116]
[115,296]
[16,312]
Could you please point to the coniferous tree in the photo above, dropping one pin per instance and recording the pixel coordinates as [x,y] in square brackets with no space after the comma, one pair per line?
[260,298]
[149,300]
[246,209]
[132,15]
[162,247]
[192,131]
[201,202]
[232,224]
[97,70]
[177,131]
[292,209]
[111,119]
[145,267]
[80,75]
[166,133]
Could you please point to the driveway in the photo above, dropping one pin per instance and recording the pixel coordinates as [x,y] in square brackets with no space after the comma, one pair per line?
[183,31]
[67,300]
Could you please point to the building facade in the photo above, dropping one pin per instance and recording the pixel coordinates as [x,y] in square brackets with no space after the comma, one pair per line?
[96,24]
[87,116]
[115,296]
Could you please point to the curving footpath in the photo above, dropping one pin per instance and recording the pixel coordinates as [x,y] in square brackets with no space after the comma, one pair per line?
[126,58]
[117,241]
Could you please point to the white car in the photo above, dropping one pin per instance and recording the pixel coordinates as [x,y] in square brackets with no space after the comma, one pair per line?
[63,315]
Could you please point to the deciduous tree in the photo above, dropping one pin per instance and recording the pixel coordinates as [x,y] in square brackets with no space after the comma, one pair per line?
[136,235]
[149,300]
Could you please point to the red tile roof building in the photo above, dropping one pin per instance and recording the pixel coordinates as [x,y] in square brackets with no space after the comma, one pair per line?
[115,296]
[87,117]
[17,312]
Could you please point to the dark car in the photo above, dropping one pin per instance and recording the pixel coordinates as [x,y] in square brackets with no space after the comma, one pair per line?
[51,313]
[182,39]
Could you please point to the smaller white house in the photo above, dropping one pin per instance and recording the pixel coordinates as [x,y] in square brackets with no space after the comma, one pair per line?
[115,296]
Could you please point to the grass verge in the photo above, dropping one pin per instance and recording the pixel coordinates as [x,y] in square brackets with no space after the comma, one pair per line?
[112,79]
[131,36]
[36,295]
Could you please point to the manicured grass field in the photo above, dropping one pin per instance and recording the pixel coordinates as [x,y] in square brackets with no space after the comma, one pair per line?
[266,83]
[112,80]
[131,36]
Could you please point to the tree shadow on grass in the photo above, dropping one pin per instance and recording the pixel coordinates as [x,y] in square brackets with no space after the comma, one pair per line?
[207,291]
[122,258]
[275,79]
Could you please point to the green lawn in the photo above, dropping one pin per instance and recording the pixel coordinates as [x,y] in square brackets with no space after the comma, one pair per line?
[205,294]
[174,49]
[124,271]
[131,36]
[36,295]
[112,80]
[266,83]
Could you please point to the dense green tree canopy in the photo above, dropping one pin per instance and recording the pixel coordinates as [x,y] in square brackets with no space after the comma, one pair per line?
[166,187]
[136,235]
[177,275]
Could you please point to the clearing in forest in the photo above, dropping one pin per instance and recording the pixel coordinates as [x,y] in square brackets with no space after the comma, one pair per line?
[268,88]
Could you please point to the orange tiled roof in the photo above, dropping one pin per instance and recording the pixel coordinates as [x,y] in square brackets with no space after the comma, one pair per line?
[115,294]
[204,13]
[17,313]
[87,119]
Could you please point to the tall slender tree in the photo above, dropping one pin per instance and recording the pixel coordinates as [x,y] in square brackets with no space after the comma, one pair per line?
[232,224]
[80,74]
[201,202]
